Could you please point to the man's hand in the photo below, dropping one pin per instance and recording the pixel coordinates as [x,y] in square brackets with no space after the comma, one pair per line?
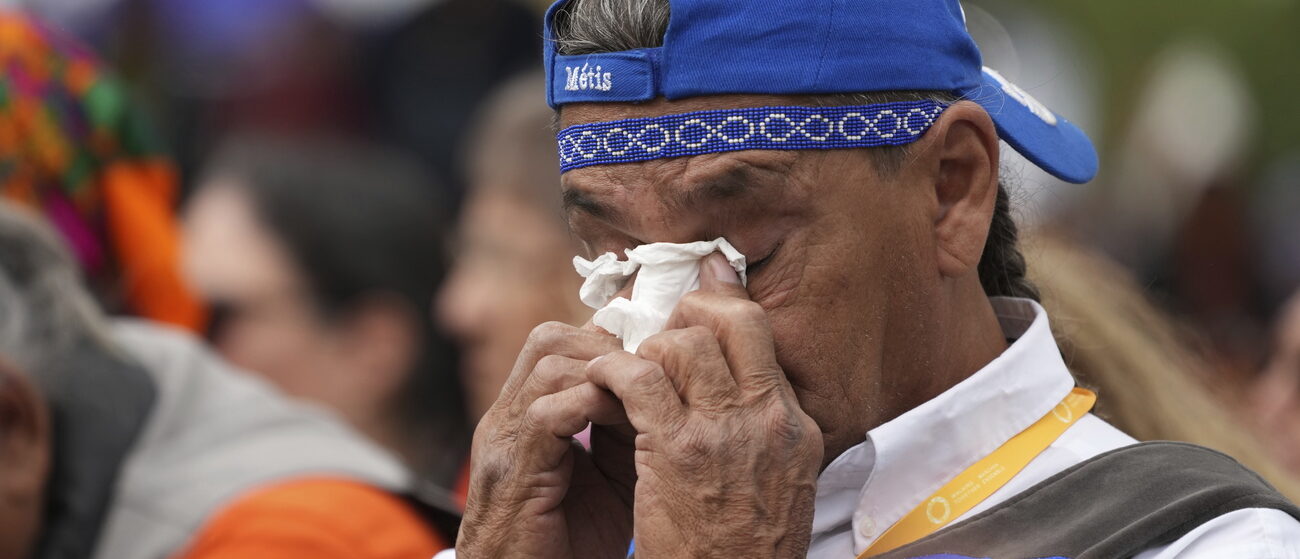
[726,460]
[533,491]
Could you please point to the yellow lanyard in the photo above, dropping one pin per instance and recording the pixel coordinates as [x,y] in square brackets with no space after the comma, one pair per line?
[979,481]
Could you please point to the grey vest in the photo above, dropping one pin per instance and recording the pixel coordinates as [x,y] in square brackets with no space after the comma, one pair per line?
[1114,506]
[99,402]
[214,434]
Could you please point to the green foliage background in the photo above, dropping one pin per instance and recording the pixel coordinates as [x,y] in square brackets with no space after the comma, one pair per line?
[1263,36]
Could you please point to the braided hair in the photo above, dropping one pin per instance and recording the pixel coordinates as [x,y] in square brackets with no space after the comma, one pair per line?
[1002,267]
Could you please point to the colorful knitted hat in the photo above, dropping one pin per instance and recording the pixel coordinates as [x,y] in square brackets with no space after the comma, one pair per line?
[72,149]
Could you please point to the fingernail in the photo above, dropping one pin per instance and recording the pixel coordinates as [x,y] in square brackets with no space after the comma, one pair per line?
[721,269]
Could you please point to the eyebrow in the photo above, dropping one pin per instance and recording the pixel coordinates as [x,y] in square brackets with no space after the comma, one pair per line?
[574,199]
[729,184]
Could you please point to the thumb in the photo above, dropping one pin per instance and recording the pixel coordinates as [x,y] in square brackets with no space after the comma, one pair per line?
[717,276]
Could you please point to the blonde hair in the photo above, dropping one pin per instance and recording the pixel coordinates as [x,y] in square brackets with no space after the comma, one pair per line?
[1150,379]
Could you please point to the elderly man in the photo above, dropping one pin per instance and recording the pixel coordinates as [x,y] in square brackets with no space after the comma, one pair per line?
[884,384]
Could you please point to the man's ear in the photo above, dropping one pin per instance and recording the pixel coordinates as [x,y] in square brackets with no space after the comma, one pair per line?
[24,438]
[965,176]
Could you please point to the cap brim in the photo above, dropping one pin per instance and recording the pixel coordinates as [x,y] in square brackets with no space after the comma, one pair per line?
[1053,143]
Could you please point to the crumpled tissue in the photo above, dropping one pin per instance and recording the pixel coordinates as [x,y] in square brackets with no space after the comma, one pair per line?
[666,273]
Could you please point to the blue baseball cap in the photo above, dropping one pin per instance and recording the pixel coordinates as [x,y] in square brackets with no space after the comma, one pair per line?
[814,47]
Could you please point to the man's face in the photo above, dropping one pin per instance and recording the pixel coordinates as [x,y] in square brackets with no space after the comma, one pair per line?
[841,257]
[24,461]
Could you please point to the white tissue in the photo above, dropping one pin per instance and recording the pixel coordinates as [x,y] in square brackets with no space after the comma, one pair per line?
[666,273]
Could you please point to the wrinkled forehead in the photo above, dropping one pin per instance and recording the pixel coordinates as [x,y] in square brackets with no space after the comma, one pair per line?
[682,190]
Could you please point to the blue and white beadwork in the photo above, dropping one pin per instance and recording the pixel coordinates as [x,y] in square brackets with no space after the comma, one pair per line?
[784,128]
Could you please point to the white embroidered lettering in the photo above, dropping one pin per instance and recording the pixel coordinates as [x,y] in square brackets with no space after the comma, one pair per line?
[585,78]
[571,78]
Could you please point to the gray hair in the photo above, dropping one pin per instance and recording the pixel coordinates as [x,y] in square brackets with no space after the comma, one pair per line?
[44,308]
[596,26]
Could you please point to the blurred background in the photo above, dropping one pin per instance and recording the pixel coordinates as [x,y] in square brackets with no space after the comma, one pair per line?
[1190,107]
[258,103]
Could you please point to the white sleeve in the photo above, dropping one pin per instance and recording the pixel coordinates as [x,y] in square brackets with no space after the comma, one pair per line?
[446,554]
[1242,534]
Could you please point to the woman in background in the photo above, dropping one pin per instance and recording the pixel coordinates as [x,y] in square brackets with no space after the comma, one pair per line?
[320,260]
[513,266]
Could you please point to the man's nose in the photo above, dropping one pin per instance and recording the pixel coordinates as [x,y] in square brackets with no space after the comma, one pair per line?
[463,305]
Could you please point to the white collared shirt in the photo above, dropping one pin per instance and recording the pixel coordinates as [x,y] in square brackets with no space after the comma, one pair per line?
[871,486]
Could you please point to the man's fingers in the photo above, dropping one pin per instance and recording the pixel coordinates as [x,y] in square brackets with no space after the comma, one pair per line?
[543,436]
[717,276]
[556,338]
[694,363]
[742,331]
[722,305]
[566,413]
[650,399]
[552,374]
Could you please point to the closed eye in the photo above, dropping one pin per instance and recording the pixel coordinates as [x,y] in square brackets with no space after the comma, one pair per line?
[757,265]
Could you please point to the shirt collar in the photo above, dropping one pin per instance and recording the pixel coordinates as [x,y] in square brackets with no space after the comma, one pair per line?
[905,460]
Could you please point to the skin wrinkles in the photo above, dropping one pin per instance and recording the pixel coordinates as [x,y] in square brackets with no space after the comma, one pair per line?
[860,309]
[723,195]
[718,198]
[871,306]
[783,287]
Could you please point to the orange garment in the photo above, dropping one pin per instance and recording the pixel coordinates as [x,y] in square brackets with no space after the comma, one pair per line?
[75,149]
[316,519]
[138,198]
[461,492]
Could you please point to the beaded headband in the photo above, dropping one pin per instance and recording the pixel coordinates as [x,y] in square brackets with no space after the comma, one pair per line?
[783,128]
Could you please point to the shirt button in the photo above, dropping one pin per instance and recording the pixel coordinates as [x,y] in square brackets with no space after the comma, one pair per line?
[867,528]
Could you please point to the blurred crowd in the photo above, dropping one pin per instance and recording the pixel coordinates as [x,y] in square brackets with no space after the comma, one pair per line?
[267,260]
